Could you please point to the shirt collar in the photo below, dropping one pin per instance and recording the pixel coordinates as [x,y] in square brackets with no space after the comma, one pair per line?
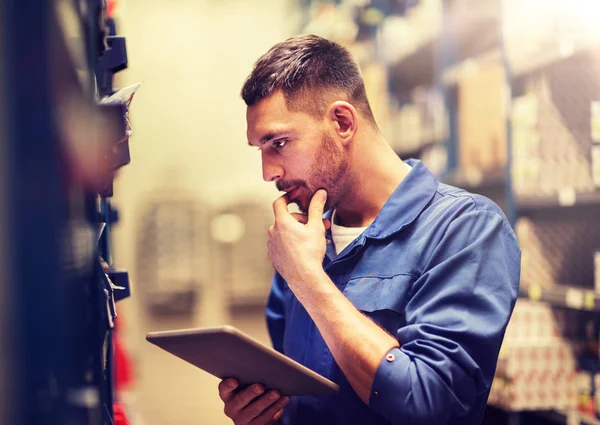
[405,204]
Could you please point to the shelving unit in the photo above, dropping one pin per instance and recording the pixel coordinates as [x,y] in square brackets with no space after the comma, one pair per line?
[562,296]
[463,46]
[60,298]
[547,59]
[547,417]
[567,199]
[451,76]
[418,151]
[417,68]
[465,33]
[570,418]
[479,181]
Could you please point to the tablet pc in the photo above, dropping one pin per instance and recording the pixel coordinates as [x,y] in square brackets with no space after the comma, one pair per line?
[227,352]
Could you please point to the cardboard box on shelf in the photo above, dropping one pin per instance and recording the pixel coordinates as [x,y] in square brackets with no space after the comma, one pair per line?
[550,149]
[418,121]
[536,267]
[597,270]
[410,127]
[537,367]
[595,121]
[525,133]
[537,362]
[597,395]
[376,80]
[522,394]
[557,251]
[536,377]
[583,391]
[596,165]
[525,144]
[482,118]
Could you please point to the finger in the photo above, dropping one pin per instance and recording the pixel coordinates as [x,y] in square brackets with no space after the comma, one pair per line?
[317,204]
[303,218]
[275,410]
[243,399]
[227,387]
[278,415]
[280,206]
[257,407]
[300,218]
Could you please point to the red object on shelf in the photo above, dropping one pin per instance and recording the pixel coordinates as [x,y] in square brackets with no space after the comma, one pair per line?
[123,365]
[123,368]
[123,375]
[110,7]
[119,415]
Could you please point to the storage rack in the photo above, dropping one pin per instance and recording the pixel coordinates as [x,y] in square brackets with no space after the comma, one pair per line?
[438,62]
[59,357]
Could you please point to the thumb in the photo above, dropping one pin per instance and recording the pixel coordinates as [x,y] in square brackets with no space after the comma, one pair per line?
[316,207]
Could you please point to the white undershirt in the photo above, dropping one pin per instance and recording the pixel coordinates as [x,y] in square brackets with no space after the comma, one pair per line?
[343,236]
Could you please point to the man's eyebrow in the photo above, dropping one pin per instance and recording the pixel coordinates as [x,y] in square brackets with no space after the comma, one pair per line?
[268,137]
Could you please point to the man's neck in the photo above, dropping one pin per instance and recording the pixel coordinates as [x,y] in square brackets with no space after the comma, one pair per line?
[376,173]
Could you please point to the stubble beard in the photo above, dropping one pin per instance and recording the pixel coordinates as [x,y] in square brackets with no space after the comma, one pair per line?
[328,172]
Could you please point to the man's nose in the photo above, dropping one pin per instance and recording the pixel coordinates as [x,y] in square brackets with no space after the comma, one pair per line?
[271,171]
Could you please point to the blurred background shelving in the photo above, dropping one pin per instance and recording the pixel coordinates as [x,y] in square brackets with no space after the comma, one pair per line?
[500,98]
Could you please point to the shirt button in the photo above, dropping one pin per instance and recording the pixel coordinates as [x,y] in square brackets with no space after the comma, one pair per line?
[376,393]
[328,241]
[390,357]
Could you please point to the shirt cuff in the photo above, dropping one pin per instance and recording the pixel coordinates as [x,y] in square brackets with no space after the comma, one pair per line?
[391,387]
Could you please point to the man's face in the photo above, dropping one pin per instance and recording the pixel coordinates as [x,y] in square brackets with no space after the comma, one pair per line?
[298,153]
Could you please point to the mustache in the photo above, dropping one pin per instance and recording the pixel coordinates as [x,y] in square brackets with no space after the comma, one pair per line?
[283,186]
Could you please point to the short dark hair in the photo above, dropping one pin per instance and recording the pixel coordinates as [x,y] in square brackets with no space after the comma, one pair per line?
[309,70]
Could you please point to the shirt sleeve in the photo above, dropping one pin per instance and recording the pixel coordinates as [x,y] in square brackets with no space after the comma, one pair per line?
[276,313]
[456,317]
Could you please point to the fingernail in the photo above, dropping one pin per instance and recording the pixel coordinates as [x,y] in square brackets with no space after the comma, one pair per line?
[232,384]
[273,395]
[258,389]
[285,400]
[322,194]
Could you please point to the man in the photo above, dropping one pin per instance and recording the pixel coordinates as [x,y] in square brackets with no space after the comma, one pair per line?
[402,293]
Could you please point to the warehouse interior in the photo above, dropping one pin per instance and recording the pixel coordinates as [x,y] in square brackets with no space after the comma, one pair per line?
[131,202]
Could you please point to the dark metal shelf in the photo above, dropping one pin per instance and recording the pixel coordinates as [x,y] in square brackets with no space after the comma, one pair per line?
[464,37]
[552,416]
[536,64]
[451,76]
[561,417]
[418,151]
[478,180]
[563,296]
[415,69]
[558,201]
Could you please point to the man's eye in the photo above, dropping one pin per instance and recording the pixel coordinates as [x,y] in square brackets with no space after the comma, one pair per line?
[279,144]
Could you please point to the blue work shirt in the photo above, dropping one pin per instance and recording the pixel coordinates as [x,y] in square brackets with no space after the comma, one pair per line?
[439,270]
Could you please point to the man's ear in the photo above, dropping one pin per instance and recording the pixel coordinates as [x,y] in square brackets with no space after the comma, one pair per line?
[344,119]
